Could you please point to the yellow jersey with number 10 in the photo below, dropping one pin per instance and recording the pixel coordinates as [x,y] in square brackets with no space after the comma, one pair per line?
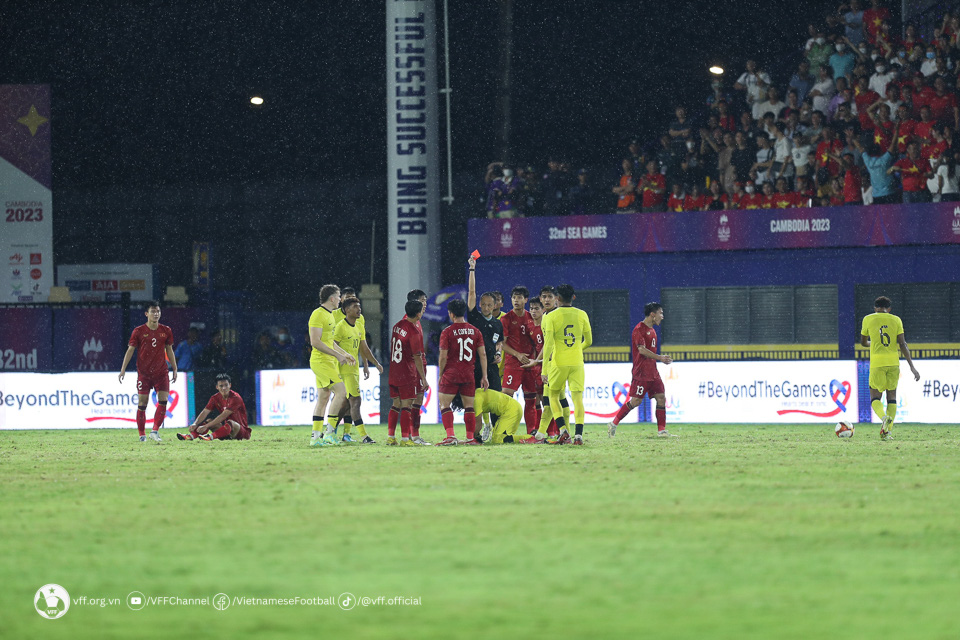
[883,329]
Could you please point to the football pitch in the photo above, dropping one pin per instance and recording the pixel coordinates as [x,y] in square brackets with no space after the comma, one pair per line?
[734,531]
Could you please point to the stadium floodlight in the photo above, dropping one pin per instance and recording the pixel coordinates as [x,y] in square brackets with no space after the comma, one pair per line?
[256,100]
[716,70]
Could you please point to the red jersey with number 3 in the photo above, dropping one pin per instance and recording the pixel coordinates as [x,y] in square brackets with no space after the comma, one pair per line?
[644,368]
[218,404]
[151,347]
[517,333]
[461,341]
[405,343]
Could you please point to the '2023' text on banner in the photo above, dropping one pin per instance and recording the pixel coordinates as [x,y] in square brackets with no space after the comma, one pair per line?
[287,397]
[84,401]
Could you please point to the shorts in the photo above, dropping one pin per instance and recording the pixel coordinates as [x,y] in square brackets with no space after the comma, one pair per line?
[650,386]
[351,380]
[159,382]
[562,375]
[516,377]
[884,378]
[403,391]
[243,434]
[467,389]
[327,373]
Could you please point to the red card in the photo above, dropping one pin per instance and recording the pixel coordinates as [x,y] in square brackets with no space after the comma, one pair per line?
[475,254]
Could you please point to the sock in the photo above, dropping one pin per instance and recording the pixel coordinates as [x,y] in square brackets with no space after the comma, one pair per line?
[530,412]
[877,407]
[405,423]
[446,417]
[317,427]
[221,433]
[361,430]
[470,419]
[624,410]
[579,429]
[545,417]
[347,423]
[142,420]
[415,420]
[539,416]
[661,419]
[159,415]
[392,418]
[892,411]
[327,429]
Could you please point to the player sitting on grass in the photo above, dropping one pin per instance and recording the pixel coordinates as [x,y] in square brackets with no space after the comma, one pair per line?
[231,420]
[460,345]
[507,410]
[883,333]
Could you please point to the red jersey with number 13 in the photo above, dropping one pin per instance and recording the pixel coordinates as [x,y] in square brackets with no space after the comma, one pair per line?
[644,368]
[151,345]
[462,341]
[405,344]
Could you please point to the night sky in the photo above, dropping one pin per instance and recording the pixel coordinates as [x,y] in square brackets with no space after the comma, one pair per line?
[149,97]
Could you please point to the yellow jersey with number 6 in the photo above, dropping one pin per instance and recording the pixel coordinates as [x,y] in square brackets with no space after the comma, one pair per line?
[566,333]
[883,329]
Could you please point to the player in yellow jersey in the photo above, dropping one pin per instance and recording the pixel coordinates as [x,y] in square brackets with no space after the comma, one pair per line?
[505,407]
[338,316]
[350,337]
[883,333]
[566,333]
[325,361]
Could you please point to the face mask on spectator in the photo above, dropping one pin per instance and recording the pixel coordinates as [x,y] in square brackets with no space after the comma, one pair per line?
[874,56]
[690,146]
[931,55]
[841,47]
[508,173]
[820,40]
[863,50]
[881,68]
[749,189]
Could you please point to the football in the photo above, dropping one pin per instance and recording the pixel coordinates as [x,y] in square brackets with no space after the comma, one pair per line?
[844,429]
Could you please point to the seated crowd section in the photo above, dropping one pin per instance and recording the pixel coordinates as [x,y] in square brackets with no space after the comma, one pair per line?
[866,117]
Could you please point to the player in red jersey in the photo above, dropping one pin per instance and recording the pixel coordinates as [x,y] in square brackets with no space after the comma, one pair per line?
[520,349]
[533,366]
[405,367]
[459,344]
[646,379]
[416,410]
[548,301]
[153,340]
[231,420]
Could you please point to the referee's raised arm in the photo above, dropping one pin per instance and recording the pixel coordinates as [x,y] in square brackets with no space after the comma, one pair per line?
[472,284]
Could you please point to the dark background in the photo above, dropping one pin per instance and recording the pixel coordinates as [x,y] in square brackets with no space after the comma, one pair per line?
[155,144]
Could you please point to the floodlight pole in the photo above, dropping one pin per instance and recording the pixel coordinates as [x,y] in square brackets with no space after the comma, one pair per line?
[447,91]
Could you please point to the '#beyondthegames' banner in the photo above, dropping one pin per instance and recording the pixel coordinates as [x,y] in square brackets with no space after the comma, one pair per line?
[26,225]
[867,226]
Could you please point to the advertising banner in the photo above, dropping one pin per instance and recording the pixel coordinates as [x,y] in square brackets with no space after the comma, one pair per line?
[866,226]
[26,222]
[25,339]
[84,401]
[935,398]
[105,282]
[813,391]
[287,397]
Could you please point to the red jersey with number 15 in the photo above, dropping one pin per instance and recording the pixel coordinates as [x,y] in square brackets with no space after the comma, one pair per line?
[516,331]
[405,343]
[151,345]
[462,341]
[644,368]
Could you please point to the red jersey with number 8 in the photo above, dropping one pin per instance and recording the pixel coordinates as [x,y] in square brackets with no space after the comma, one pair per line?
[462,341]
[151,345]
[405,344]
[644,368]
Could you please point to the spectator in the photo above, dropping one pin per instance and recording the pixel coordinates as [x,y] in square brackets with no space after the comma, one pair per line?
[947,187]
[929,66]
[793,105]
[582,195]
[818,50]
[826,165]
[844,116]
[724,117]
[882,125]
[716,199]
[932,152]
[626,188]
[781,167]
[636,156]
[814,131]
[921,95]
[694,200]
[852,20]
[768,196]
[863,98]
[653,189]
[189,350]
[741,159]
[943,105]
[783,198]
[852,181]
[723,153]
[907,128]
[747,126]
[531,200]
[882,77]
[843,94]
[680,130]
[554,186]
[802,80]
[503,194]
[893,97]
[265,356]
[914,171]
[739,193]
[842,62]
[764,159]
[800,156]
[923,130]
[873,20]
[877,162]
[677,197]
[912,42]
[214,355]
[773,104]
[823,90]
[667,157]
[286,348]
[751,199]
[307,350]
[753,82]
[803,196]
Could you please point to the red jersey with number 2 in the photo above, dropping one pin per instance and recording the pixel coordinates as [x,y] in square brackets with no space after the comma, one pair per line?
[462,341]
[151,347]
[644,368]
[405,344]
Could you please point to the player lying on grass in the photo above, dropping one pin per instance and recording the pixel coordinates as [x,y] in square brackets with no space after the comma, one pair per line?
[646,379]
[506,409]
[231,420]
[460,348]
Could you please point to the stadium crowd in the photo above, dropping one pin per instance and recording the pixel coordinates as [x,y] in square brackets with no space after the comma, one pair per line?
[866,117]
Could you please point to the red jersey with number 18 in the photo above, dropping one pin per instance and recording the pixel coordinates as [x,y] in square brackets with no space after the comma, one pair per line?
[151,345]
[461,341]
[644,368]
[405,344]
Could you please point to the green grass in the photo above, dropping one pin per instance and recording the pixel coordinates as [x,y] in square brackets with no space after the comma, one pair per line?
[727,532]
